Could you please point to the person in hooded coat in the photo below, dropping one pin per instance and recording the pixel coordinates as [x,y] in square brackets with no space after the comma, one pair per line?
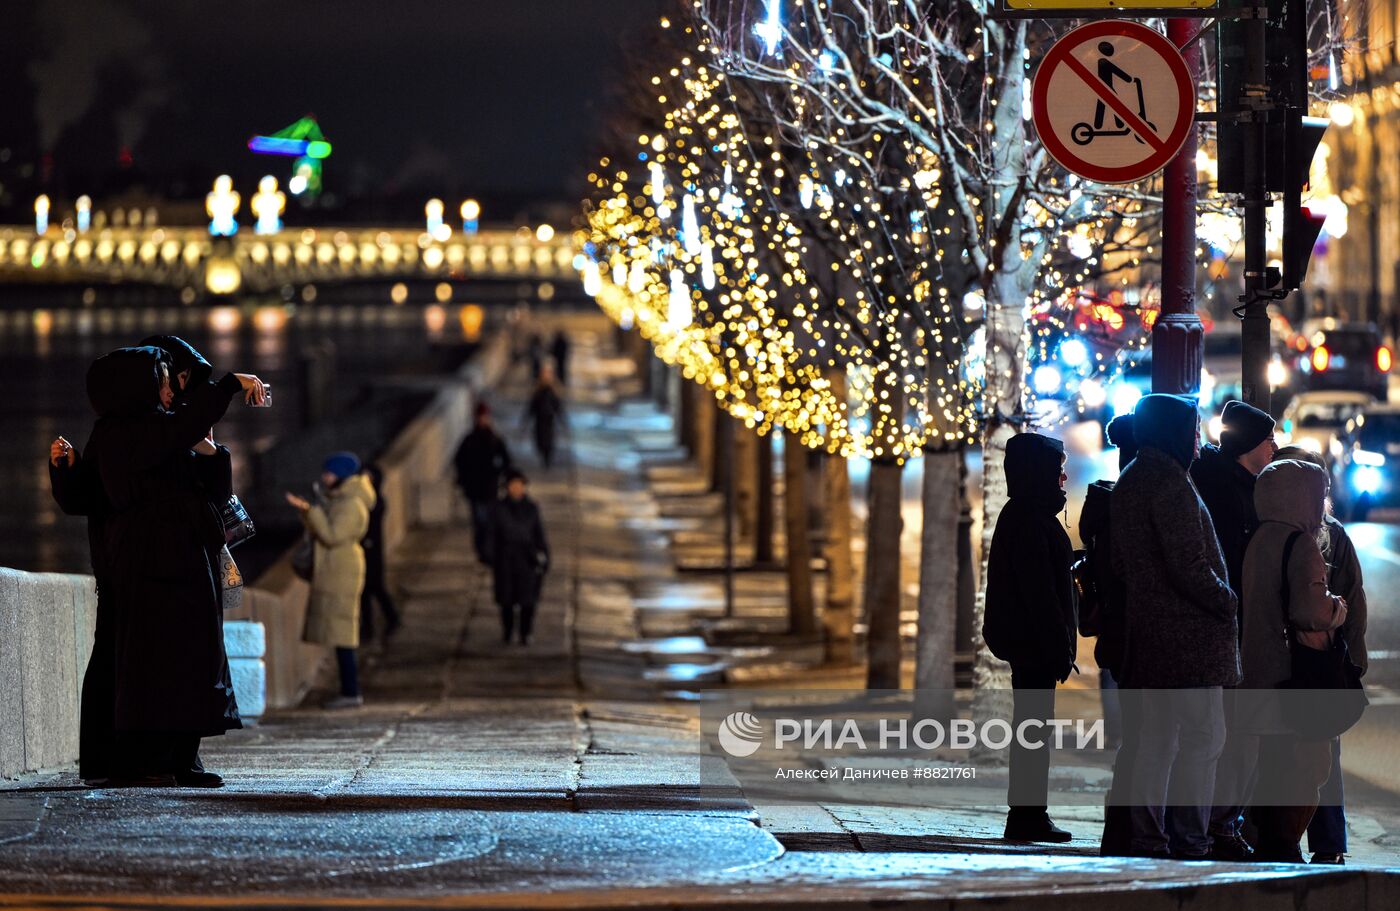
[77,488]
[1029,620]
[161,541]
[519,556]
[337,526]
[1327,833]
[1182,640]
[1224,475]
[1286,771]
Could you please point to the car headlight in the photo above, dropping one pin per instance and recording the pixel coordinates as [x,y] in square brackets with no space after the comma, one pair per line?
[1214,427]
[1093,394]
[1311,444]
[1046,380]
[1074,353]
[1278,374]
[1368,458]
[1366,480]
[1124,398]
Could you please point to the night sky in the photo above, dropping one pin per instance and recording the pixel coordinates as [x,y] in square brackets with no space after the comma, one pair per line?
[497,98]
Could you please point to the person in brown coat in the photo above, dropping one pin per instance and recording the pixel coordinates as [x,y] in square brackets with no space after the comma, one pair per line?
[338,578]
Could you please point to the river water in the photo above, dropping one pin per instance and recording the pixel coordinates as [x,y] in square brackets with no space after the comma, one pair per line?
[381,350]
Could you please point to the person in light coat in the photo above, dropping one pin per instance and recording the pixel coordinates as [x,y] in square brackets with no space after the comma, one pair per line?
[1287,771]
[338,576]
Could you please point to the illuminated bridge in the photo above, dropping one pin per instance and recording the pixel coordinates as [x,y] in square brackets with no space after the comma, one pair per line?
[188,257]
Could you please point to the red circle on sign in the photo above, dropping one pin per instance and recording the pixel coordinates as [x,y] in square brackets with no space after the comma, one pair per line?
[1169,146]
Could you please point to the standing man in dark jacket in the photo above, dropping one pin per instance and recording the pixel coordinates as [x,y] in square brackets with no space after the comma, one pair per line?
[1029,620]
[1225,475]
[1182,629]
[519,556]
[482,461]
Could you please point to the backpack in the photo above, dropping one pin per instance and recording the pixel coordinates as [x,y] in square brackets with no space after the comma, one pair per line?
[1091,571]
[1326,696]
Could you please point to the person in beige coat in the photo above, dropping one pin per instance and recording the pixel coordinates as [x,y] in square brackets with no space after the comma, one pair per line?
[1286,770]
[338,578]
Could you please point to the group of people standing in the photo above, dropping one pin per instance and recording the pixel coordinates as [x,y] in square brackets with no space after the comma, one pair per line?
[1204,563]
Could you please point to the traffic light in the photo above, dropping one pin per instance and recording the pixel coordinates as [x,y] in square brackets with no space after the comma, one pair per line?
[1300,225]
[1290,137]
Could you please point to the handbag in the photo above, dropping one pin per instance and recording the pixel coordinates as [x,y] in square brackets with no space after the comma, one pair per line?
[231,581]
[1326,696]
[304,557]
[238,525]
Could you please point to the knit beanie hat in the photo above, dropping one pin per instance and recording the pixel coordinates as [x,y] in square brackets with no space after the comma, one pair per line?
[1244,427]
[342,464]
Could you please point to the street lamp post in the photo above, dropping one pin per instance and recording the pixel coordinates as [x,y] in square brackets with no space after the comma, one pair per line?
[1177,334]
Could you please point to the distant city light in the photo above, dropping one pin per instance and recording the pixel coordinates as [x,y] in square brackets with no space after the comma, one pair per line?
[267,205]
[84,209]
[544,233]
[471,216]
[222,205]
[433,211]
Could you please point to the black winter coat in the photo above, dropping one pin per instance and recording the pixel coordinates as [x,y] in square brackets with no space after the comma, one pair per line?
[1182,617]
[161,543]
[78,491]
[481,463]
[545,411]
[1227,489]
[1029,620]
[1109,618]
[519,551]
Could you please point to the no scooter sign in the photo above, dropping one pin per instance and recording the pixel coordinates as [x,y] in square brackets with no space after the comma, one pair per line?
[1113,101]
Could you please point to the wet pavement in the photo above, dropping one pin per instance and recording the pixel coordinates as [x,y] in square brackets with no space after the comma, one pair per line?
[551,775]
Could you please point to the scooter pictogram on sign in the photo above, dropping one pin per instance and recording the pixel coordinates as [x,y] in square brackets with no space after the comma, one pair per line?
[1113,101]
[1082,133]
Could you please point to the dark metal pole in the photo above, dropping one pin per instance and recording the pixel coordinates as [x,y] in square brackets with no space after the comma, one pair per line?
[1176,336]
[1254,386]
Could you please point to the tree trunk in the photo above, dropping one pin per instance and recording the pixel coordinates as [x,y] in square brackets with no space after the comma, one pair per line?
[719,463]
[1005,409]
[802,613]
[686,404]
[967,570]
[746,482]
[839,617]
[938,591]
[765,523]
[703,431]
[882,563]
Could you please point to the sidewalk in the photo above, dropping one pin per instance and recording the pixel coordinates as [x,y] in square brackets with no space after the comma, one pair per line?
[554,775]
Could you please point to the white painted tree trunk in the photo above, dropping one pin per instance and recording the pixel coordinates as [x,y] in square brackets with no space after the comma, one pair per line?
[1005,408]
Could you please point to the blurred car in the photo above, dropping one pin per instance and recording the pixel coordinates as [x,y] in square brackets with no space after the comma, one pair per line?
[1366,463]
[1314,419]
[1341,355]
